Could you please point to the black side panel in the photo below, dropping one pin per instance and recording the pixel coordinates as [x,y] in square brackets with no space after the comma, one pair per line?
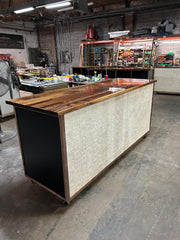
[40,139]
[124,74]
[78,70]
[140,74]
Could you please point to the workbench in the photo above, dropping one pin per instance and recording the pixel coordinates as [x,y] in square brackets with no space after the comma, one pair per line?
[69,137]
[41,87]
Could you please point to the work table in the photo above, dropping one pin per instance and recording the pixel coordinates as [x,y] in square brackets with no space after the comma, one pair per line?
[61,101]
[69,137]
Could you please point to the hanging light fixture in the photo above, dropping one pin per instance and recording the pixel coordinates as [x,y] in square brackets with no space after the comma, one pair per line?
[72,8]
[91,3]
[65,9]
[29,9]
[58,5]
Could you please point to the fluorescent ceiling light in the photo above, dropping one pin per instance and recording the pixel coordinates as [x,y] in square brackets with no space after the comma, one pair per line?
[40,6]
[54,5]
[58,4]
[24,10]
[65,9]
[91,3]
[72,8]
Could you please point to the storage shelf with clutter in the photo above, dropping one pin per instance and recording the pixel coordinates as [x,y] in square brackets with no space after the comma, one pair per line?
[143,52]
[168,52]
[96,53]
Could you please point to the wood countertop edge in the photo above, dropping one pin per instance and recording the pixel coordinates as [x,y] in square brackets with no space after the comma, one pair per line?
[100,99]
[78,106]
[35,109]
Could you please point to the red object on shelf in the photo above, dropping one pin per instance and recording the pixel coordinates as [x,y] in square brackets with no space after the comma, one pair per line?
[106,77]
[90,33]
[70,79]
[98,42]
[5,57]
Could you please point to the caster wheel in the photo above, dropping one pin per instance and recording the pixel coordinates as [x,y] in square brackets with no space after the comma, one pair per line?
[64,203]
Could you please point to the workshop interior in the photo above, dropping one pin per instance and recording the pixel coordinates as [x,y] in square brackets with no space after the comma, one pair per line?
[89,119]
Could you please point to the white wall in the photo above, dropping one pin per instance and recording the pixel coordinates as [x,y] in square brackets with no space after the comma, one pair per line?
[21,56]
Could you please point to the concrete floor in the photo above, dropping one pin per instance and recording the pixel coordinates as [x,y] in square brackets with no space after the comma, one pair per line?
[138,198]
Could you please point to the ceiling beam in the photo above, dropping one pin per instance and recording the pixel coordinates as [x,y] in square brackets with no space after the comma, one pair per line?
[82,5]
[136,10]
[156,6]
[162,5]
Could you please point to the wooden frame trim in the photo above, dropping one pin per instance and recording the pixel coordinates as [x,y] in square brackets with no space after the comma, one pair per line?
[151,107]
[64,158]
[48,189]
[109,165]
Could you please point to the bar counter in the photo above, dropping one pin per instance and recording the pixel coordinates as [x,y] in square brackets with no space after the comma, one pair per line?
[69,137]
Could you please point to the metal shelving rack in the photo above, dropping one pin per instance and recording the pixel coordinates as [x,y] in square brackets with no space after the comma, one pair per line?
[146,70]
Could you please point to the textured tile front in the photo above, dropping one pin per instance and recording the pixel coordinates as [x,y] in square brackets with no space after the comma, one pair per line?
[96,135]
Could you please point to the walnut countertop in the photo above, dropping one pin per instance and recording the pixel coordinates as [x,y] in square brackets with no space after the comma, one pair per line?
[62,101]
